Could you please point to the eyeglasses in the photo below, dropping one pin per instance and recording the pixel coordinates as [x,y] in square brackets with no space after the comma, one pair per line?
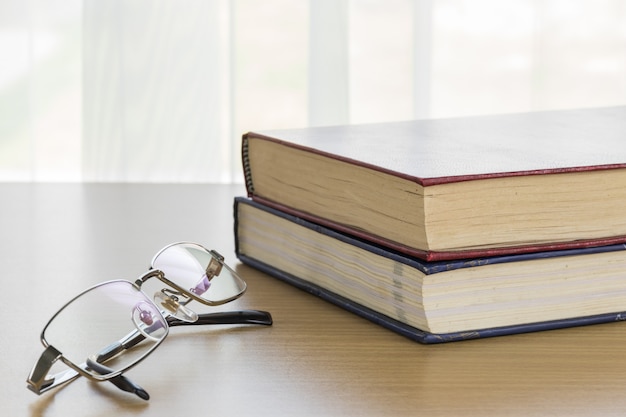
[111,327]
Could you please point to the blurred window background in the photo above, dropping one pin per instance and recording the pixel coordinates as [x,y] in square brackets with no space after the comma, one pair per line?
[162,90]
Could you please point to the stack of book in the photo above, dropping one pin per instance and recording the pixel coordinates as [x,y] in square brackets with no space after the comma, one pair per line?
[446,229]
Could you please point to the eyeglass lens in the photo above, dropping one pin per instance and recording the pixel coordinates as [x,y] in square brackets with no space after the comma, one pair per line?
[190,266]
[91,325]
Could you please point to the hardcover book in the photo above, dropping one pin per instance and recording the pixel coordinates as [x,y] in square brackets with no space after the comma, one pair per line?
[453,188]
[440,301]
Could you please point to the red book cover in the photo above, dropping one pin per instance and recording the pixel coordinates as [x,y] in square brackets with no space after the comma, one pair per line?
[444,152]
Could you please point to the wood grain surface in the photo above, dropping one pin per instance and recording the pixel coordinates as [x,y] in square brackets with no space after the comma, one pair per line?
[316,360]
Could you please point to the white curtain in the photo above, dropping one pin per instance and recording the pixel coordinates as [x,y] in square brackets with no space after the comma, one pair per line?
[161,90]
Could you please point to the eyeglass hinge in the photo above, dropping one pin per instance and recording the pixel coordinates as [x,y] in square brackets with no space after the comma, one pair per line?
[215,266]
[39,378]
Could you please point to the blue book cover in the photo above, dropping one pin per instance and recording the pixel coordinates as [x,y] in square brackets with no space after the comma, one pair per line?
[284,253]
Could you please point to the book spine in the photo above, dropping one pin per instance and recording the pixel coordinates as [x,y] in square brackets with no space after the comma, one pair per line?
[245,162]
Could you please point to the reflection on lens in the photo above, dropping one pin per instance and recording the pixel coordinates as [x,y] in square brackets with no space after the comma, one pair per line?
[185,264]
[95,323]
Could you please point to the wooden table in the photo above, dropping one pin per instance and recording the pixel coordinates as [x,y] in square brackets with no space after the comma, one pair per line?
[316,360]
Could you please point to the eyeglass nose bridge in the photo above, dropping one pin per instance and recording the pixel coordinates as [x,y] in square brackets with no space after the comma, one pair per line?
[172,304]
[168,299]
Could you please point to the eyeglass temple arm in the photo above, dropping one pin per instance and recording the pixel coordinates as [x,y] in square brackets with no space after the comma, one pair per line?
[39,380]
[224,317]
[119,381]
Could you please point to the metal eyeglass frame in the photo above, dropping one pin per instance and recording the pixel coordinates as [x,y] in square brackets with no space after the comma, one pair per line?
[39,381]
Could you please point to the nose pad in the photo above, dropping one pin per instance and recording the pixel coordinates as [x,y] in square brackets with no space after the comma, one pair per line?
[148,321]
[202,286]
[171,304]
